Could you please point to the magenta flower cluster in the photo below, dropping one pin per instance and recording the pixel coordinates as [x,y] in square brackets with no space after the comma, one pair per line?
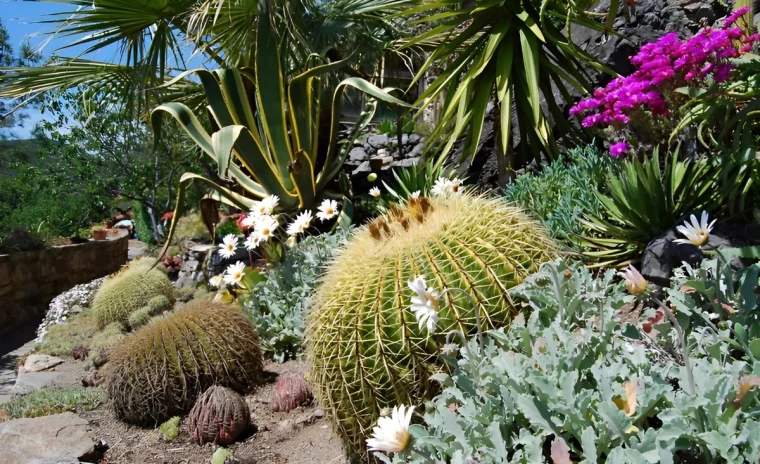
[662,66]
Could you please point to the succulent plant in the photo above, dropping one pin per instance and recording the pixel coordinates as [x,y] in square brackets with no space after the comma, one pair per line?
[365,347]
[290,391]
[129,290]
[159,304]
[103,341]
[139,318]
[219,416]
[80,352]
[185,294]
[160,369]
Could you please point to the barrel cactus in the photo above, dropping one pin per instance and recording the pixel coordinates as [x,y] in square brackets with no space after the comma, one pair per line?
[290,391]
[366,349]
[159,370]
[219,416]
[129,290]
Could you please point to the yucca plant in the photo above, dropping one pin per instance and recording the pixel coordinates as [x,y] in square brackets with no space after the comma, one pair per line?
[645,199]
[268,141]
[511,52]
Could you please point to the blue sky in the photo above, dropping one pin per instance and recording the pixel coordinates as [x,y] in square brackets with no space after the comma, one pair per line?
[20,19]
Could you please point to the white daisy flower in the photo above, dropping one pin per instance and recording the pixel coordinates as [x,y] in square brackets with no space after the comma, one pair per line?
[234,273]
[266,206]
[253,241]
[300,224]
[392,433]
[250,221]
[375,192]
[228,246]
[425,304]
[265,227]
[415,195]
[328,210]
[696,233]
[455,184]
[217,281]
[442,186]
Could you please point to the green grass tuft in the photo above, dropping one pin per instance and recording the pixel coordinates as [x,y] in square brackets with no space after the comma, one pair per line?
[51,401]
[61,339]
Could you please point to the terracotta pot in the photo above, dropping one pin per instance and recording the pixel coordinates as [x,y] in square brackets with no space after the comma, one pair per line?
[99,234]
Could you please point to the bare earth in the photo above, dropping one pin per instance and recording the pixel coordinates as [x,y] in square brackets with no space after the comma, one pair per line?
[302,436]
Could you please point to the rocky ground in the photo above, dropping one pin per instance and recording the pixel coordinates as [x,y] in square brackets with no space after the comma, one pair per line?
[300,436]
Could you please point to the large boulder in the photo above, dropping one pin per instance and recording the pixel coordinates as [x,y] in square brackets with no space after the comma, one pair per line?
[59,438]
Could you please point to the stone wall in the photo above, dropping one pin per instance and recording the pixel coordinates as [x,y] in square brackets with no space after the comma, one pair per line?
[29,280]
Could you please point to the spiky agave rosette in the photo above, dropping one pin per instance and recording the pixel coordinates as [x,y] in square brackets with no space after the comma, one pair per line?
[366,349]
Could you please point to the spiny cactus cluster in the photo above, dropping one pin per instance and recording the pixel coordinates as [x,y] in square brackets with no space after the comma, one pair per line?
[156,305]
[365,346]
[159,370]
[129,290]
[219,416]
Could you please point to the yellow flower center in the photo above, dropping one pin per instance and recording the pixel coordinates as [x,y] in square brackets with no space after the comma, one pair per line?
[329,212]
[402,437]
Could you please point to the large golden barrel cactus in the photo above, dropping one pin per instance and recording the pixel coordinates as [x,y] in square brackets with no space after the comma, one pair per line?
[129,290]
[159,370]
[365,346]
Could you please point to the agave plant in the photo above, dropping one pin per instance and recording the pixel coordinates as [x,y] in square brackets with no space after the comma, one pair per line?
[645,199]
[269,147]
[513,53]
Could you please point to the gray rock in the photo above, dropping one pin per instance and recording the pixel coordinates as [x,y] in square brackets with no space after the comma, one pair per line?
[357,154]
[56,460]
[40,362]
[662,254]
[377,141]
[414,138]
[405,163]
[404,139]
[68,303]
[201,249]
[364,167]
[416,151]
[381,153]
[65,437]
[30,381]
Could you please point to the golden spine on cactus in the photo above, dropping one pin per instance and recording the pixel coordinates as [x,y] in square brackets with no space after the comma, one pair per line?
[129,290]
[159,370]
[365,346]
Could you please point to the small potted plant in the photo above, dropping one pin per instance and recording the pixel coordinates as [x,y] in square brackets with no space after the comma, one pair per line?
[99,232]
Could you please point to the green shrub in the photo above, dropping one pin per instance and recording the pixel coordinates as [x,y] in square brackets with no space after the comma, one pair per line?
[158,371]
[129,290]
[278,305]
[143,225]
[51,401]
[191,226]
[226,228]
[562,193]
[568,383]
[365,347]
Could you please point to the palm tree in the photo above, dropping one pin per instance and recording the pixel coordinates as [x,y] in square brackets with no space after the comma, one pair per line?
[157,39]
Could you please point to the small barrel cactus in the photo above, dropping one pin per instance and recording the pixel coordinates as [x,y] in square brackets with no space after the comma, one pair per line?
[290,391]
[366,348]
[158,371]
[80,352]
[219,416]
[129,290]
[159,304]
